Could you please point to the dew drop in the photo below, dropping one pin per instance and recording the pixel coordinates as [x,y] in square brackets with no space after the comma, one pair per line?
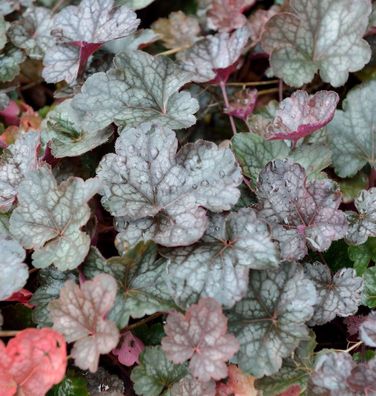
[131,148]
[154,153]
[217,228]
[194,186]
[222,173]
[204,183]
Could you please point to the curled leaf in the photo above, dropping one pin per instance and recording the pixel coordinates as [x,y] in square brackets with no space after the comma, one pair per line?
[367,330]
[80,314]
[201,336]
[129,350]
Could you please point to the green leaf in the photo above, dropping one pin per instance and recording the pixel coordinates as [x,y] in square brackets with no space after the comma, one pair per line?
[351,187]
[135,4]
[301,41]
[270,321]
[156,375]
[72,385]
[140,88]
[295,370]
[361,255]
[352,132]
[369,292]
[10,61]
[141,282]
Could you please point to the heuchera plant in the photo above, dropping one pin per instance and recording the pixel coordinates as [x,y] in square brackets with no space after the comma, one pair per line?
[187,197]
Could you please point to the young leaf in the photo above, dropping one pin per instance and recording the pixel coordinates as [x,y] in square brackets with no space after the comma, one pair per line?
[72,385]
[80,314]
[217,266]
[295,371]
[32,32]
[300,212]
[337,296]
[237,384]
[85,28]
[141,282]
[16,162]
[201,336]
[242,104]
[178,30]
[270,321]
[214,53]
[68,137]
[363,378]
[367,330]
[49,218]
[140,88]
[302,41]
[156,375]
[129,351]
[147,182]
[137,4]
[369,293]
[227,15]
[331,372]
[10,61]
[302,114]
[362,224]
[33,361]
[190,386]
[352,132]
[13,272]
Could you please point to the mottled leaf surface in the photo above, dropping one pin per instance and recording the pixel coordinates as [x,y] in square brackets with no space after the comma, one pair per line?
[270,321]
[217,266]
[367,330]
[300,213]
[322,36]
[156,374]
[13,271]
[80,315]
[190,386]
[339,295]
[201,336]
[369,293]
[10,61]
[49,218]
[352,132]
[140,88]
[213,53]
[148,183]
[16,162]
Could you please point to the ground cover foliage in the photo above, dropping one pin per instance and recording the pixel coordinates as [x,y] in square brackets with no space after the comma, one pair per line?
[187,197]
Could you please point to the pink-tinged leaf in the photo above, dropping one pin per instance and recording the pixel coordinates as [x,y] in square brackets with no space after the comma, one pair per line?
[300,212]
[200,335]
[129,351]
[258,20]
[293,390]
[237,384]
[80,314]
[10,113]
[362,379]
[22,296]
[34,360]
[227,15]
[353,323]
[243,104]
[302,114]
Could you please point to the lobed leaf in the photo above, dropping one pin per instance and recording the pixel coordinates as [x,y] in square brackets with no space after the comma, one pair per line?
[367,330]
[190,386]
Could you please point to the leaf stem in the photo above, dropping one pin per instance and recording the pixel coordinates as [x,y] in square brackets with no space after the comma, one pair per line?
[9,333]
[222,84]
[142,322]
[252,83]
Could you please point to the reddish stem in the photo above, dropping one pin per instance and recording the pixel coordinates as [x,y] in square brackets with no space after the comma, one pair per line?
[372,178]
[222,84]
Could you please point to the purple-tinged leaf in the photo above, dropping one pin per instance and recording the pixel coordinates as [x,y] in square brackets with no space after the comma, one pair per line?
[201,336]
[242,104]
[147,182]
[211,56]
[302,114]
[302,41]
[339,295]
[362,224]
[258,20]
[367,330]
[300,212]
[129,350]
[80,315]
[363,378]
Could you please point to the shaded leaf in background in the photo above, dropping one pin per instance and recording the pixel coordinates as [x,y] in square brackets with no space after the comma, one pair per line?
[362,224]
[237,384]
[13,271]
[352,132]
[217,266]
[190,386]
[16,162]
[369,293]
[299,212]
[49,218]
[10,62]
[72,385]
[67,136]
[339,295]
[156,375]
[367,330]
[80,314]
[83,29]
[258,20]
[270,321]
[162,195]
[140,88]
[135,4]
[102,383]
[302,41]
[363,378]
[34,360]
[302,114]
[242,104]
[129,350]
[209,56]
[201,336]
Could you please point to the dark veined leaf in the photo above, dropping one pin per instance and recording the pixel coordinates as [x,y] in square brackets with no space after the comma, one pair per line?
[367,330]
[201,336]
[270,321]
[72,385]
[369,293]
[190,386]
